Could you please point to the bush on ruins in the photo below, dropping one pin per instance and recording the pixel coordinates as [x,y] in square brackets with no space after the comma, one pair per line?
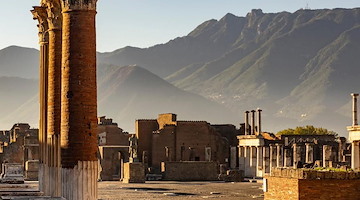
[307,130]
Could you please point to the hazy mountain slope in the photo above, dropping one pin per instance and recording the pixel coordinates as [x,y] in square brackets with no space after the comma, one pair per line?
[131,92]
[208,41]
[328,80]
[14,93]
[19,62]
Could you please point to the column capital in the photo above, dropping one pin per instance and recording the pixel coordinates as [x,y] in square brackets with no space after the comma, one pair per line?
[40,14]
[68,5]
[54,13]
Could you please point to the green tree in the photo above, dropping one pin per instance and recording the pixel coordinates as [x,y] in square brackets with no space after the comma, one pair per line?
[306,130]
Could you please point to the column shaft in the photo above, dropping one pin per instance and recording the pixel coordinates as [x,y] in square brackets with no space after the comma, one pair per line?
[355,155]
[79,101]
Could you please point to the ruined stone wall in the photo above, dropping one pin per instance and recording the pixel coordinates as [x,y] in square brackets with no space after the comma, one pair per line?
[164,138]
[110,162]
[144,131]
[199,135]
[166,119]
[114,135]
[190,171]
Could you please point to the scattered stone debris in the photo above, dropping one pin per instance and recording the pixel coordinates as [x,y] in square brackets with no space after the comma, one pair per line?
[215,193]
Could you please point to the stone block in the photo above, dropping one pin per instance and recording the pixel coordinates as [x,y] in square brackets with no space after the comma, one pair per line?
[31,175]
[32,165]
[134,172]
[234,176]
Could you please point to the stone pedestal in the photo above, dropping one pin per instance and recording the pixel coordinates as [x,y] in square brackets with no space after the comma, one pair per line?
[12,173]
[134,172]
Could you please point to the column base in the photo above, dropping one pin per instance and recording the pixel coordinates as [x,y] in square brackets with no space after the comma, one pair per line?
[80,182]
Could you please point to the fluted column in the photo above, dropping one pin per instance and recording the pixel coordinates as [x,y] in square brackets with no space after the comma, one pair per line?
[54,19]
[79,101]
[40,14]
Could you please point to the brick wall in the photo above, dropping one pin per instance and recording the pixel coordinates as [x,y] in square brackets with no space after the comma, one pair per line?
[165,138]
[144,131]
[304,184]
[281,188]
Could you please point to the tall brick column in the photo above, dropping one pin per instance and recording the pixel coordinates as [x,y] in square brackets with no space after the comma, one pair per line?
[79,101]
[40,14]
[54,96]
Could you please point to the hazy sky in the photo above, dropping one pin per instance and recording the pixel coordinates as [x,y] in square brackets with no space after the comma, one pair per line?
[143,23]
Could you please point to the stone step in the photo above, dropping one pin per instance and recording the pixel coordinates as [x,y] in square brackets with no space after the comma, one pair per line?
[20,193]
[30,198]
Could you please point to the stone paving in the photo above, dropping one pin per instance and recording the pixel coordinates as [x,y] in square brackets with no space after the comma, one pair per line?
[174,190]
[163,190]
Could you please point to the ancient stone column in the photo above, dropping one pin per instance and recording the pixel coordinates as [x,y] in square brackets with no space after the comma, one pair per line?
[252,132]
[40,14]
[253,161]
[354,109]
[327,156]
[79,101]
[259,162]
[247,156]
[279,155]
[296,155]
[259,121]
[287,157]
[241,158]
[273,157]
[355,156]
[54,95]
[233,160]
[247,131]
[309,153]
[266,160]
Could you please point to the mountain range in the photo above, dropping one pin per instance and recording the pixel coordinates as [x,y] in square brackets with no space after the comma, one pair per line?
[300,68]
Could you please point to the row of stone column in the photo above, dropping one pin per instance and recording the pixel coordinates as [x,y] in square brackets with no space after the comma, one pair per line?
[252,129]
[68,104]
[256,161]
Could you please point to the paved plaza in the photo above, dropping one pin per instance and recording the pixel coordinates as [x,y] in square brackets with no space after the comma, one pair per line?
[180,190]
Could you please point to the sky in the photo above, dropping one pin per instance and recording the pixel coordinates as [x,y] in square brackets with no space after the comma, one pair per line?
[144,23]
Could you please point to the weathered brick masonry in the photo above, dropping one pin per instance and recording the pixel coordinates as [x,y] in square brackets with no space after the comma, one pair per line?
[294,184]
[79,100]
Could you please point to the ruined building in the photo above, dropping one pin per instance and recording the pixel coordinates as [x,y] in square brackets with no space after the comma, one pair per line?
[113,149]
[259,151]
[167,139]
[68,98]
[20,145]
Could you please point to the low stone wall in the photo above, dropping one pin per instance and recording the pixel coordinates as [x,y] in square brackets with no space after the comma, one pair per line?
[190,171]
[306,184]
